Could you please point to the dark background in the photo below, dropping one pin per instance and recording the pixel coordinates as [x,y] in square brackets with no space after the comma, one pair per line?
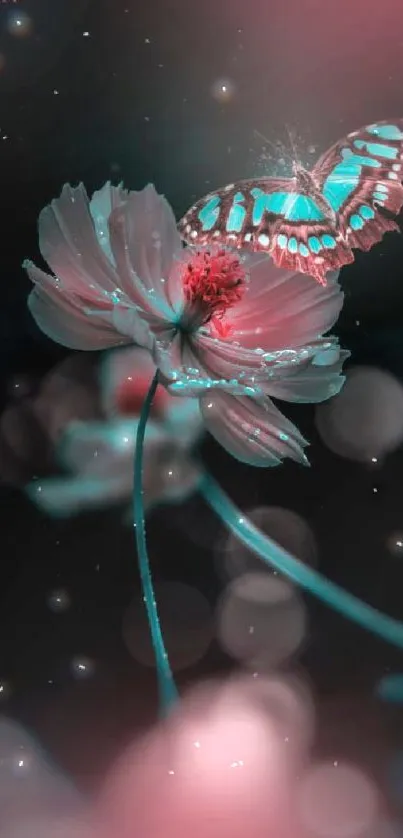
[135,100]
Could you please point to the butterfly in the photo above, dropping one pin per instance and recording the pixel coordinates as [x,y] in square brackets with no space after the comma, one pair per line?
[311,222]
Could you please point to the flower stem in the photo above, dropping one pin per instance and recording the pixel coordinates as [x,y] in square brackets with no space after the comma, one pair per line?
[272,554]
[167,688]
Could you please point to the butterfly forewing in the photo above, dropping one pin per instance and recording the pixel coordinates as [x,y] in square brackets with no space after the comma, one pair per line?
[237,214]
[359,177]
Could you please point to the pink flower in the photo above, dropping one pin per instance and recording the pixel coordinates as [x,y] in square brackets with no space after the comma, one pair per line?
[98,454]
[229,328]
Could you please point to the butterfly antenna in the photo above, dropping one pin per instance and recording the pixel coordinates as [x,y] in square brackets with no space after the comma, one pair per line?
[273,145]
[293,146]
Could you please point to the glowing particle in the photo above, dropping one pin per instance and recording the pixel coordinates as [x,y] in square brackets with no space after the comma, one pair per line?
[59,601]
[82,667]
[395,543]
[5,690]
[19,24]
[223,90]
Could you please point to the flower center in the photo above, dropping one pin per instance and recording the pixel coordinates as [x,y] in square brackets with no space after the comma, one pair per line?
[213,281]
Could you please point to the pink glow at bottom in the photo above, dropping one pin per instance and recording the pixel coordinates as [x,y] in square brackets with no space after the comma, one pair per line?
[219,767]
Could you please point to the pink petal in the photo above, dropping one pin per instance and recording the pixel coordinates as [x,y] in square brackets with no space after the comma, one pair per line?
[64,317]
[125,379]
[316,381]
[69,244]
[102,203]
[70,328]
[282,309]
[252,430]
[145,244]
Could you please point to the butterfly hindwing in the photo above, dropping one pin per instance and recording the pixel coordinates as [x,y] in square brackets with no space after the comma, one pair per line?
[359,177]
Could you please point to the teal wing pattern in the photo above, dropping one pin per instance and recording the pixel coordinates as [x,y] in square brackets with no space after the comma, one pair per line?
[313,221]
[360,177]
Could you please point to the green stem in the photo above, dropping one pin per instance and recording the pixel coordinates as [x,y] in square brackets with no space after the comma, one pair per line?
[167,688]
[310,580]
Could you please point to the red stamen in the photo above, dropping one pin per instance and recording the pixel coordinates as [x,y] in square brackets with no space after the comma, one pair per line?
[213,281]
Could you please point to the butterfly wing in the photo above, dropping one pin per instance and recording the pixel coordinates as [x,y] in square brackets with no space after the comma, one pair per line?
[360,177]
[265,214]
[233,215]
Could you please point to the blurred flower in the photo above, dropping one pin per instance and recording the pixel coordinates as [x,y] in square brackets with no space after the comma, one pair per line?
[38,413]
[99,454]
[230,329]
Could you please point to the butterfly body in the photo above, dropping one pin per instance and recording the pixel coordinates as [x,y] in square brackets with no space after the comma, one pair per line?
[312,221]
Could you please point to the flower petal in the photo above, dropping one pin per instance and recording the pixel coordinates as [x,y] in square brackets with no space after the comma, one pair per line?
[125,379]
[62,318]
[316,381]
[65,496]
[194,386]
[102,203]
[100,448]
[282,309]
[68,242]
[252,430]
[145,245]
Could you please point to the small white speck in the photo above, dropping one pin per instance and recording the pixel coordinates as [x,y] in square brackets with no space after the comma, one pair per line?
[86,34]
[55,92]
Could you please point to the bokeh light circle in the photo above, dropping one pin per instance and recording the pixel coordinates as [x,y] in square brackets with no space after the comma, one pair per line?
[287,700]
[284,526]
[261,620]
[364,422]
[186,621]
[337,800]
[20,24]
